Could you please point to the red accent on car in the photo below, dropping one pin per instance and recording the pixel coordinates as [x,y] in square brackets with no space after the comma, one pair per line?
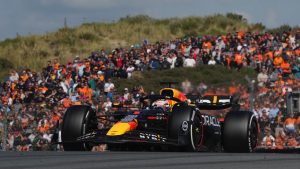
[136,112]
[133,125]
[151,117]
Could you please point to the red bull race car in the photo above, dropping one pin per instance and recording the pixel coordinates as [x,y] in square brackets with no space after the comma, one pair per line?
[168,121]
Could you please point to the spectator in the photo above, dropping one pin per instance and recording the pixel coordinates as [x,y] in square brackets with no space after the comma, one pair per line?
[268,140]
[165,64]
[291,141]
[109,88]
[262,78]
[211,61]
[290,124]
[107,105]
[280,140]
[130,70]
[189,62]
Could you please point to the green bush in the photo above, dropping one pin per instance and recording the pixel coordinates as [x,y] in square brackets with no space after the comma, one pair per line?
[87,36]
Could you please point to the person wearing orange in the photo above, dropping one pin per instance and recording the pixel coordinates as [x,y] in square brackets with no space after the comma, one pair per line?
[207,45]
[44,127]
[55,65]
[43,88]
[286,68]
[291,141]
[269,55]
[280,140]
[277,61]
[290,124]
[238,58]
[55,118]
[89,93]
[232,89]
[240,34]
[67,102]
[228,61]
[24,76]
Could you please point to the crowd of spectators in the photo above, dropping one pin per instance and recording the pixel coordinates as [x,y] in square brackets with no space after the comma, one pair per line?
[35,101]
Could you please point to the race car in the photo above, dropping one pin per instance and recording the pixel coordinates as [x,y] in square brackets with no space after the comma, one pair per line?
[170,120]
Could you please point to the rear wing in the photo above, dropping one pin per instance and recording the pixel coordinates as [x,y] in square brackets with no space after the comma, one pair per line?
[216,102]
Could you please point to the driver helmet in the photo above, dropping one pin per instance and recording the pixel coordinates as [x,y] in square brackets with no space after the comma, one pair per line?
[163,104]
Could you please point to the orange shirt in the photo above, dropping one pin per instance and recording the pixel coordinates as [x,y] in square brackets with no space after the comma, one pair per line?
[67,102]
[240,34]
[285,66]
[89,93]
[279,142]
[269,55]
[24,77]
[259,57]
[252,49]
[44,128]
[238,58]
[228,59]
[43,89]
[232,90]
[55,66]
[208,45]
[289,121]
[55,118]
[81,90]
[277,62]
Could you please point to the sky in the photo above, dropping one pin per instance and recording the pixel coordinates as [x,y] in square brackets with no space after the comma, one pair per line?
[25,17]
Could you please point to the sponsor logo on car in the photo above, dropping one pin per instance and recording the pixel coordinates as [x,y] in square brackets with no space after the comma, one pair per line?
[210,121]
[152,137]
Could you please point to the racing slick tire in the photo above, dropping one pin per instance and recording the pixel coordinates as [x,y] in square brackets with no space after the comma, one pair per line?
[240,132]
[195,135]
[77,121]
[185,126]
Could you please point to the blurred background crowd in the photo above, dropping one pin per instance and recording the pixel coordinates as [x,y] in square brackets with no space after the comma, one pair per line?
[32,103]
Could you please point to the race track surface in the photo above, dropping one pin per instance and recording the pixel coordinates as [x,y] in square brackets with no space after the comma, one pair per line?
[140,160]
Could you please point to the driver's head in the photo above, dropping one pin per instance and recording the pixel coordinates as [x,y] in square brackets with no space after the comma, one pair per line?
[161,103]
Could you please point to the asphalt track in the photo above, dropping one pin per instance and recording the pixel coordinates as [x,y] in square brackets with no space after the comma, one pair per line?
[141,160]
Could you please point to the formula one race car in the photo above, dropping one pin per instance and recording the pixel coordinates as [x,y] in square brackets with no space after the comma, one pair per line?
[169,120]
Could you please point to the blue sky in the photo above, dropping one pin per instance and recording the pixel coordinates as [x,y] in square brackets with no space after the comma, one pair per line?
[39,16]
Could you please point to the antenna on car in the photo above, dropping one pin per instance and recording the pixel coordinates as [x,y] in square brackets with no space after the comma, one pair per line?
[169,83]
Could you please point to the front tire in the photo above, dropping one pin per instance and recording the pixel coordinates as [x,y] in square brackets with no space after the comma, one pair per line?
[240,132]
[195,133]
[77,121]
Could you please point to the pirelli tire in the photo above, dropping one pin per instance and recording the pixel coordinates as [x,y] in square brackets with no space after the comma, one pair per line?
[240,132]
[185,126]
[195,133]
[77,121]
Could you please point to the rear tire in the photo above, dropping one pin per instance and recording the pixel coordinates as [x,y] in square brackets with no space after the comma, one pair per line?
[240,132]
[77,121]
